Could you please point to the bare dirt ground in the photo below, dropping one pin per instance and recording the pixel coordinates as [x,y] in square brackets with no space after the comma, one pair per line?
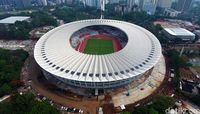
[89,106]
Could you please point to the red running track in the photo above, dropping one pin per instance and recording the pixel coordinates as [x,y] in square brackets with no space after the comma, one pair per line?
[116,44]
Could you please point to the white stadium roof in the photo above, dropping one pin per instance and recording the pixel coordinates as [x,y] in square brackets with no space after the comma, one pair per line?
[53,52]
[13,19]
[179,32]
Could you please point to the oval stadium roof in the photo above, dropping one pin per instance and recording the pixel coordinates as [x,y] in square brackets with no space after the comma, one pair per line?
[54,53]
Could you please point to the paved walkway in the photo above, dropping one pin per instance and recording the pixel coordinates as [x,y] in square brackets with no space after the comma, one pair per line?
[143,90]
[192,107]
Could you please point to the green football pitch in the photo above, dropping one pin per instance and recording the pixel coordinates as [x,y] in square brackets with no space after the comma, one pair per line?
[99,46]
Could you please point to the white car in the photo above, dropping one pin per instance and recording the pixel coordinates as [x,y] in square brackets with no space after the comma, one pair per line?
[80,111]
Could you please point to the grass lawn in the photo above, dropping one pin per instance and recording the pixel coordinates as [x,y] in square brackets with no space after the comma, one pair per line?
[99,46]
[196,68]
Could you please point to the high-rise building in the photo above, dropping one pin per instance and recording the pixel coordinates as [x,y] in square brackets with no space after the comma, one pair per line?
[148,5]
[42,2]
[22,3]
[89,2]
[3,2]
[132,5]
[18,3]
[183,5]
[58,1]
[93,3]
[6,2]
[102,5]
[69,1]
[164,3]
[26,3]
[63,1]
[113,1]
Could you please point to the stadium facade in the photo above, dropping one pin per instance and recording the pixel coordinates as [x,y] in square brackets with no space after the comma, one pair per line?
[62,59]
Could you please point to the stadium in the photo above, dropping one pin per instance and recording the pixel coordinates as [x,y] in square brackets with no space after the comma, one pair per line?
[97,53]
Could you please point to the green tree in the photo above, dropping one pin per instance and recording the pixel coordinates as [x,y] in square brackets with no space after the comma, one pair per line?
[5,108]
[11,63]
[43,108]
[153,111]
[125,112]
[161,103]
[26,104]
[42,19]
[196,99]
[145,110]
[176,63]
[5,89]
[22,103]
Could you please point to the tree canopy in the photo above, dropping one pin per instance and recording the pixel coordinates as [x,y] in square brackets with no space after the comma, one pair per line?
[20,30]
[26,104]
[176,63]
[159,105]
[68,14]
[11,63]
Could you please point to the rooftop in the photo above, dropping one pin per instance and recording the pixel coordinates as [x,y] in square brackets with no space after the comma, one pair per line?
[13,19]
[179,31]
[62,60]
